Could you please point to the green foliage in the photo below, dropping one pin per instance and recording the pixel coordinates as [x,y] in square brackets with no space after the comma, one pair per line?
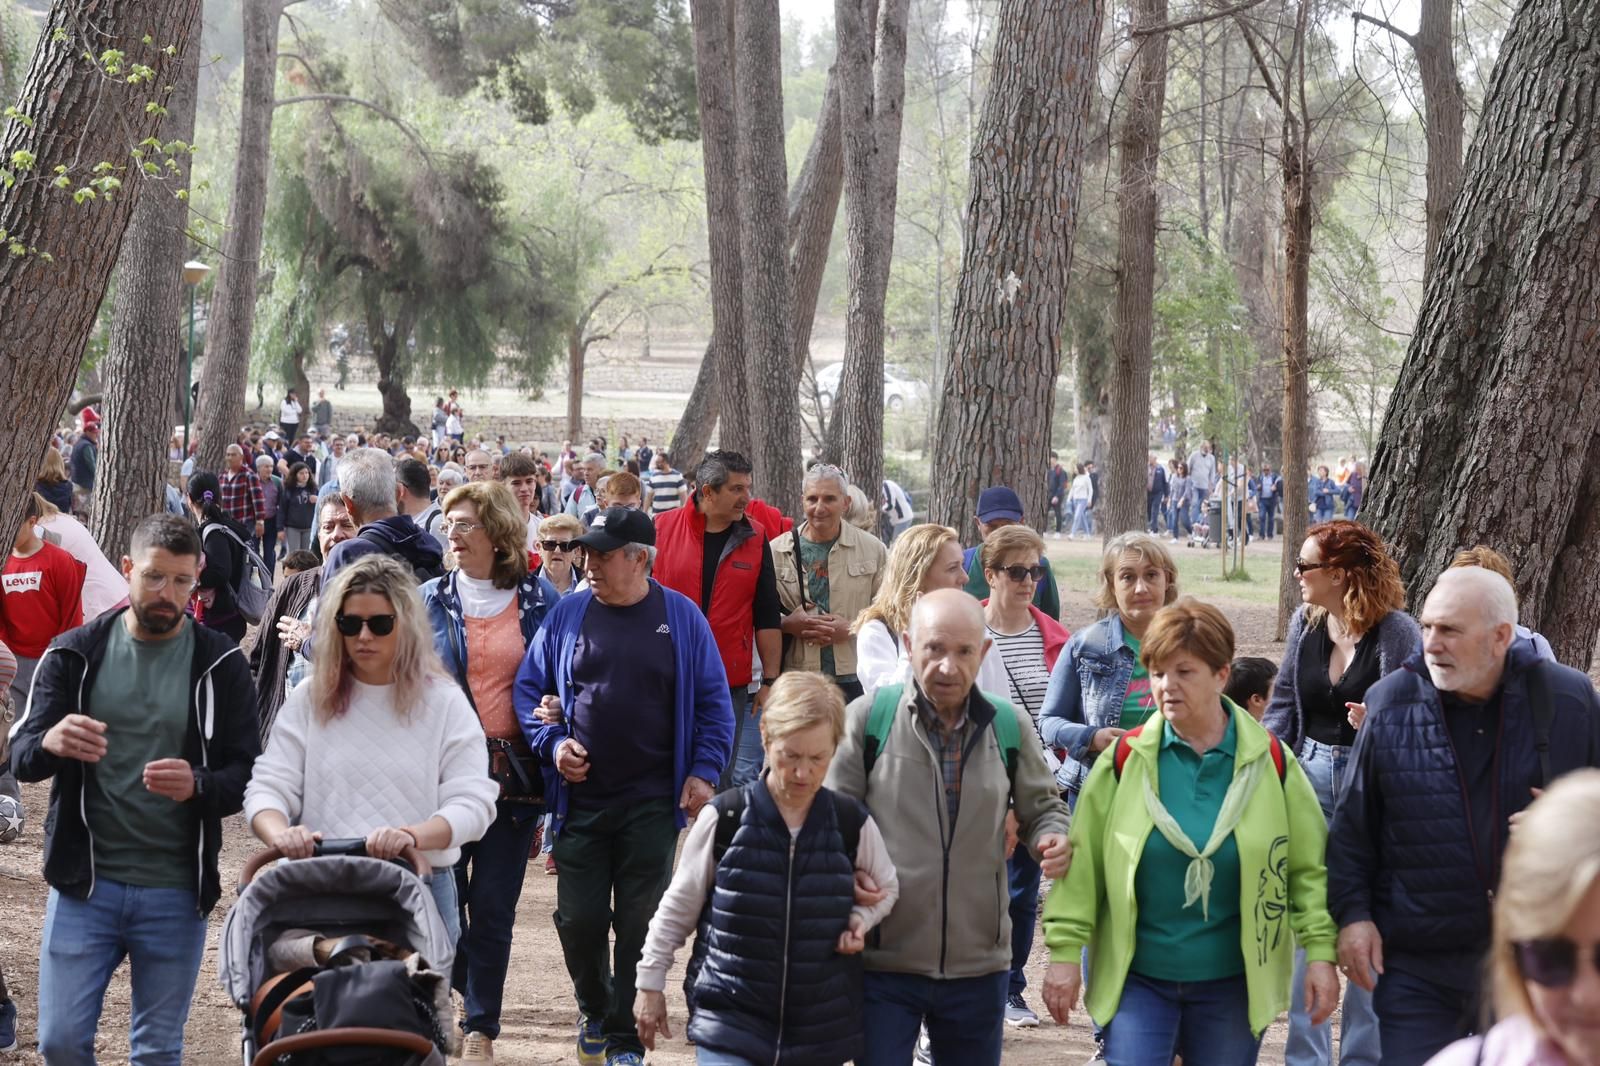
[1202,357]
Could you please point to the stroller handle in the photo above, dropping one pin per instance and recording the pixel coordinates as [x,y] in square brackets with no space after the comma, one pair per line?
[409,856]
[346,1037]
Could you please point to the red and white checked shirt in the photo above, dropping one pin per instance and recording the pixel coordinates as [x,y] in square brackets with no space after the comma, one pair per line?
[242,497]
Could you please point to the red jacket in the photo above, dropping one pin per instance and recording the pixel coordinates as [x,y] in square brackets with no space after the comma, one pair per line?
[680,552]
[769,518]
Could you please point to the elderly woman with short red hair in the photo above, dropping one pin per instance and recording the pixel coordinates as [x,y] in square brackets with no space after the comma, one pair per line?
[1197,864]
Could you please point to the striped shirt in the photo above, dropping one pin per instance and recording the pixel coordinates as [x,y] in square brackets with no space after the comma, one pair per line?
[666,491]
[1026,675]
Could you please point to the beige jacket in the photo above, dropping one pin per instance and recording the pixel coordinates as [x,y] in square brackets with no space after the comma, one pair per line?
[856,564]
[953,919]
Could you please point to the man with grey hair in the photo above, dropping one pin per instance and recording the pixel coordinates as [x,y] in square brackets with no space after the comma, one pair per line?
[242,497]
[1453,746]
[583,497]
[368,485]
[623,692]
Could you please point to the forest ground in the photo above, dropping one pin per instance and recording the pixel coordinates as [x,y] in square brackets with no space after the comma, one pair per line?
[540,1012]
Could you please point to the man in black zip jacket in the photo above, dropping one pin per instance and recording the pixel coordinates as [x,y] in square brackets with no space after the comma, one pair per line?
[1446,757]
[147,724]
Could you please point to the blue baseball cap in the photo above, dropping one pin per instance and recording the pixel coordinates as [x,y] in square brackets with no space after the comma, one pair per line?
[999,502]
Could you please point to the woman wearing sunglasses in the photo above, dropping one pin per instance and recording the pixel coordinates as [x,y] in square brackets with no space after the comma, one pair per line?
[1545,957]
[484,613]
[559,552]
[1350,630]
[379,743]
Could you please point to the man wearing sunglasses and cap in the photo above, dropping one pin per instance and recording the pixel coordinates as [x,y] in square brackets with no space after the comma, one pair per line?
[999,507]
[623,692]
[1454,745]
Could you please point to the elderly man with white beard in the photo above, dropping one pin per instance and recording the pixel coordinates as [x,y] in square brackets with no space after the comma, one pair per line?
[1454,745]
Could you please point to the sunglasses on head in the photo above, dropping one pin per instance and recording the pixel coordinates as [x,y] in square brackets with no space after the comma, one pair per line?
[559,545]
[1552,961]
[1020,574]
[350,625]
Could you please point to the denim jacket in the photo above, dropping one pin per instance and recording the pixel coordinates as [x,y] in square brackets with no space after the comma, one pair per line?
[1087,687]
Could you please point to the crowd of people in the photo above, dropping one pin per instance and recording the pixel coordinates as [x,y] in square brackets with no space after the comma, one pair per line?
[889,761]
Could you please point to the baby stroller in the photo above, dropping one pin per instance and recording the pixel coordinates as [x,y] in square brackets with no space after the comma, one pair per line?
[339,959]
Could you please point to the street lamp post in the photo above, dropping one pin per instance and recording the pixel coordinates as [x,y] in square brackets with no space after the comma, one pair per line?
[194,272]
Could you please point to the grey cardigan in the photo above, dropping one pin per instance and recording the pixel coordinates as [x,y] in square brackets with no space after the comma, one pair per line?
[1399,637]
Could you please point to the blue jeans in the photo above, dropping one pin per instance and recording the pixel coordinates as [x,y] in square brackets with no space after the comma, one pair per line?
[442,884]
[488,881]
[1080,518]
[1324,512]
[1022,871]
[1419,1019]
[162,935]
[706,1057]
[1269,509]
[1204,1021]
[1325,765]
[965,1018]
[748,755]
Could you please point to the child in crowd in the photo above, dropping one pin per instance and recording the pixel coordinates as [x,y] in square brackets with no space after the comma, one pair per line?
[1250,684]
[299,561]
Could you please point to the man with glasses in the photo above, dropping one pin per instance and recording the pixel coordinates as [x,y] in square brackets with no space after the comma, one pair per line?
[998,507]
[624,693]
[147,723]
[480,465]
[1453,746]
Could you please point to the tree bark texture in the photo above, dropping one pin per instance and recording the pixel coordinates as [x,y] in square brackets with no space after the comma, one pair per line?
[714,85]
[1139,154]
[388,339]
[147,341]
[1027,167]
[576,351]
[763,189]
[79,116]
[1297,222]
[1093,403]
[872,100]
[1492,434]
[225,374]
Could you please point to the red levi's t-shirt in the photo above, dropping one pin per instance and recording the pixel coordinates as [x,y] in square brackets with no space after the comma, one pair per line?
[41,596]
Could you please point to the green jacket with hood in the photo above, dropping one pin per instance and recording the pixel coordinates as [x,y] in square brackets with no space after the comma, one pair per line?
[1283,882]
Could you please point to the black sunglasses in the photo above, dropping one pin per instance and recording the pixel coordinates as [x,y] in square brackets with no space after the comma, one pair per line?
[1305,568]
[559,545]
[1551,961]
[1020,574]
[350,624]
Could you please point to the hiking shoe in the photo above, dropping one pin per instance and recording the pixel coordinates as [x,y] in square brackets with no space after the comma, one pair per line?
[8,1026]
[538,842]
[1018,1013]
[591,1042]
[625,1058]
[924,1052]
[477,1048]
[550,865]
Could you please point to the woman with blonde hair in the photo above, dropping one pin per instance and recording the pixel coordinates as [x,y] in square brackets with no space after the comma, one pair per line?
[53,483]
[749,858]
[924,558]
[379,743]
[1350,631]
[1544,961]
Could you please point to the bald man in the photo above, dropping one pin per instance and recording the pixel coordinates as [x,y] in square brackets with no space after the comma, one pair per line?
[946,959]
[1454,745]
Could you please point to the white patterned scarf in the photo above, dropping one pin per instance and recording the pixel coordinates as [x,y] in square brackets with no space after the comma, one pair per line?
[1197,879]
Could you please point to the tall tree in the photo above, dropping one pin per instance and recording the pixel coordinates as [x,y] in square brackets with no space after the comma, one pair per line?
[1501,369]
[1005,337]
[768,302]
[146,350]
[1138,152]
[83,110]
[872,86]
[233,303]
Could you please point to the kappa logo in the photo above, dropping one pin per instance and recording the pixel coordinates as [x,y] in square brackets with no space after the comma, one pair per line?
[664,630]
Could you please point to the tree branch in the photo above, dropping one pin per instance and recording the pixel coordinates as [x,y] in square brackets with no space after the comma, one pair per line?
[1196,20]
[1362,16]
[340,98]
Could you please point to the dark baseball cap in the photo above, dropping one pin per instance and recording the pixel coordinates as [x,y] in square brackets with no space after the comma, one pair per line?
[999,502]
[616,527]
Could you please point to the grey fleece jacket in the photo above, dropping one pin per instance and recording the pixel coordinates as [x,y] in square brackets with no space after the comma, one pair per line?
[953,917]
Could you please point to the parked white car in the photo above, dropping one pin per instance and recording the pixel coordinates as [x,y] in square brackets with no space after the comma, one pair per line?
[900,388]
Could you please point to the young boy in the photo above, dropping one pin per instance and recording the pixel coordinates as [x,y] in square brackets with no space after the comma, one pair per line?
[1250,684]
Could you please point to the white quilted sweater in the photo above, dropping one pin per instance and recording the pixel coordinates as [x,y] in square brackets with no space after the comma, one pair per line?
[370,767]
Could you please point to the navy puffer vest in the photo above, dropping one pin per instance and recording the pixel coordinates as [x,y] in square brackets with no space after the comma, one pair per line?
[771,987]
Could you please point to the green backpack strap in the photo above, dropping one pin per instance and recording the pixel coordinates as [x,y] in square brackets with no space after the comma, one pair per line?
[1006,732]
[879,721]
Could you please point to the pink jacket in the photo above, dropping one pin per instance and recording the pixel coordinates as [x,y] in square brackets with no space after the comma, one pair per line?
[1054,633]
[1513,1042]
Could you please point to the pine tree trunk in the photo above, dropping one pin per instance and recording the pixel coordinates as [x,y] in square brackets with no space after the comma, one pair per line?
[699,419]
[1005,337]
[147,341]
[1445,112]
[1139,153]
[79,117]
[575,361]
[714,85]
[391,353]
[1297,222]
[1492,434]
[1093,399]
[224,377]
[763,188]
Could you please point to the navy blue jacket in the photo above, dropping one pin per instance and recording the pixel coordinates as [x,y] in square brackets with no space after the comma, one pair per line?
[771,987]
[1400,852]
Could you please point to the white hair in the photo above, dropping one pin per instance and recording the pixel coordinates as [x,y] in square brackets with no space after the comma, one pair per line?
[633,551]
[366,476]
[449,478]
[1492,592]
[595,457]
[827,472]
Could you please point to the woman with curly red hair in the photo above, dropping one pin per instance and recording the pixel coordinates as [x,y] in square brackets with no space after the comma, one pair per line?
[1350,630]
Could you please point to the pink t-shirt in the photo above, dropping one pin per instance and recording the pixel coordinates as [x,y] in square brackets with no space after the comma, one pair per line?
[494,653]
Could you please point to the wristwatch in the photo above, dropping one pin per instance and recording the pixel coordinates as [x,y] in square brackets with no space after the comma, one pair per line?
[767,682]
